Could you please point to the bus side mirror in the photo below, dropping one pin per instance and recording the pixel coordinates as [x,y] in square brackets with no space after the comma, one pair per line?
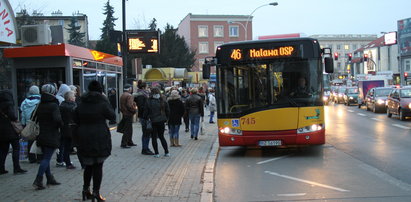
[329,64]
[206,71]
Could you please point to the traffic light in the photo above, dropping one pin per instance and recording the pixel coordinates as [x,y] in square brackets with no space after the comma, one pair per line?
[365,57]
[335,56]
[405,76]
[349,56]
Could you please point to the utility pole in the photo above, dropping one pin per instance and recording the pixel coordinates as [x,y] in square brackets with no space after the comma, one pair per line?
[124,44]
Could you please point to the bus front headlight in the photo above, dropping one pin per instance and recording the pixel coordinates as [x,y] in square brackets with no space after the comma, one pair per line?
[231,131]
[310,129]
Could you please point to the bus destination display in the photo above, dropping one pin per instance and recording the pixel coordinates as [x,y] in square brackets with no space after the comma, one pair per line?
[262,53]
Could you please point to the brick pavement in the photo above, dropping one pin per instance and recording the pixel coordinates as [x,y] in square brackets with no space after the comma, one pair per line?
[128,175]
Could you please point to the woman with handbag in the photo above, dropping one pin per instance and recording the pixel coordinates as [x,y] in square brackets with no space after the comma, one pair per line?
[8,135]
[157,111]
[50,122]
[93,137]
[27,107]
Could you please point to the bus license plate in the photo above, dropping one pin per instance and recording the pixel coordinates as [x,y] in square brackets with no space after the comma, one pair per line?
[270,143]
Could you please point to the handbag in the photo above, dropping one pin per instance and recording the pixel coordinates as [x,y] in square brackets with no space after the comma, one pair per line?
[149,126]
[15,124]
[120,126]
[32,129]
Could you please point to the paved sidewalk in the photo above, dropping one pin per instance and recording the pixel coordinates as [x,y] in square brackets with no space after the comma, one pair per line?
[128,175]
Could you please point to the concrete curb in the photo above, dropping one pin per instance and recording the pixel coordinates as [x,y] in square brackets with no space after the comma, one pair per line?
[208,176]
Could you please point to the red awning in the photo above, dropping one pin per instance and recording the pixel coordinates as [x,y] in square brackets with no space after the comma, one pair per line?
[62,50]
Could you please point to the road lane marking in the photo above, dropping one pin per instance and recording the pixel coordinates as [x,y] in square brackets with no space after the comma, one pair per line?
[307,181]
[351,111]
[375,119]
[361,114]
[401,126]
[384,176]
[274,159]
[295,194]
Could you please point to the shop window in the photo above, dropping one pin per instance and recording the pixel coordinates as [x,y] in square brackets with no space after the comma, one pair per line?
[407,65]
[347,47]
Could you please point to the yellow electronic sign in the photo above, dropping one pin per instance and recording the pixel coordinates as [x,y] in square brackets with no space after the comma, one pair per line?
[143,41]
[253,53]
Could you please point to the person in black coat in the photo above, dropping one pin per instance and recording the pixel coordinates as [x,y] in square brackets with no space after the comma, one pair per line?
[67,108]
[177,110]
[157,111]
[50,123]
[8,135]
[93,136]
[140,98]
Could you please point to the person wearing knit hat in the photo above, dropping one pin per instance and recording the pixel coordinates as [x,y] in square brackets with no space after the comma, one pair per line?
[93,137]
[174,119]
[27,107]
[48,88]
[34,90]
[95,86]
[50,123]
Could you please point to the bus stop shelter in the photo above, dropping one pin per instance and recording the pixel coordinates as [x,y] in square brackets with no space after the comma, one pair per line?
[69,64]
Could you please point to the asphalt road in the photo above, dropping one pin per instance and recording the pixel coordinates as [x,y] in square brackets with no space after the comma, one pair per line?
[366,158]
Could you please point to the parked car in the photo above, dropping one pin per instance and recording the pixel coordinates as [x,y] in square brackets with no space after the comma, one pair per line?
[399,103]
[339,97]
[376,98]
[350,96]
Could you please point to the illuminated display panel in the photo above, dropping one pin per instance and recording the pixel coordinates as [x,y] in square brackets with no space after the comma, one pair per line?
[143,41]
[263,53]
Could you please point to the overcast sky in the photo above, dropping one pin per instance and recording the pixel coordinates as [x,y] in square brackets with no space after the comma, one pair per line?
[290,16]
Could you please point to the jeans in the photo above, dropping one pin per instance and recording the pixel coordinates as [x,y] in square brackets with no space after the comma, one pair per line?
[174,129]
[211,116]
[145,138]
[4,150]
[45,162]
[60,154]
[194,124]
[66,150]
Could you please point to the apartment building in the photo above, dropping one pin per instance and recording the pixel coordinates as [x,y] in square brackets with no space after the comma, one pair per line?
[57,18]
[204,33]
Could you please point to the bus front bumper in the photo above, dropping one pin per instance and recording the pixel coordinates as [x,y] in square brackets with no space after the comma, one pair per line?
[287,138]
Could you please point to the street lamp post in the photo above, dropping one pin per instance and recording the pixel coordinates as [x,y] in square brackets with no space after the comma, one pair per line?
[246,23]
[124,45]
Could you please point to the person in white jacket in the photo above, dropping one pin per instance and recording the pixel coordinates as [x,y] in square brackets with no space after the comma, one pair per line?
[212,104]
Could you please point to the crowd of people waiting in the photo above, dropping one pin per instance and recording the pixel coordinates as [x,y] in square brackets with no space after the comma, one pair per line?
[69,120]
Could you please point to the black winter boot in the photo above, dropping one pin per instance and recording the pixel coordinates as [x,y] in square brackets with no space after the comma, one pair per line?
[38,183]
[51,180]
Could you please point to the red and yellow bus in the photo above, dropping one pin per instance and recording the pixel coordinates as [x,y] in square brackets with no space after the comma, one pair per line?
[261,100]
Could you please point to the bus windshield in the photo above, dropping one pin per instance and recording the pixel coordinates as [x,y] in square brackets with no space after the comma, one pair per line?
[269,84]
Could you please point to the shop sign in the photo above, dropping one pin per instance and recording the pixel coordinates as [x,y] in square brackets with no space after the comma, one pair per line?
[7,23]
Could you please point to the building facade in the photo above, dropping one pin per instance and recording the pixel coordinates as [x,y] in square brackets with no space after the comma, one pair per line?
[204,33]
[57,18]
[342,45]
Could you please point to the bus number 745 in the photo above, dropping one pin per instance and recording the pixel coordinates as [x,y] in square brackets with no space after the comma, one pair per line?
[247,121]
